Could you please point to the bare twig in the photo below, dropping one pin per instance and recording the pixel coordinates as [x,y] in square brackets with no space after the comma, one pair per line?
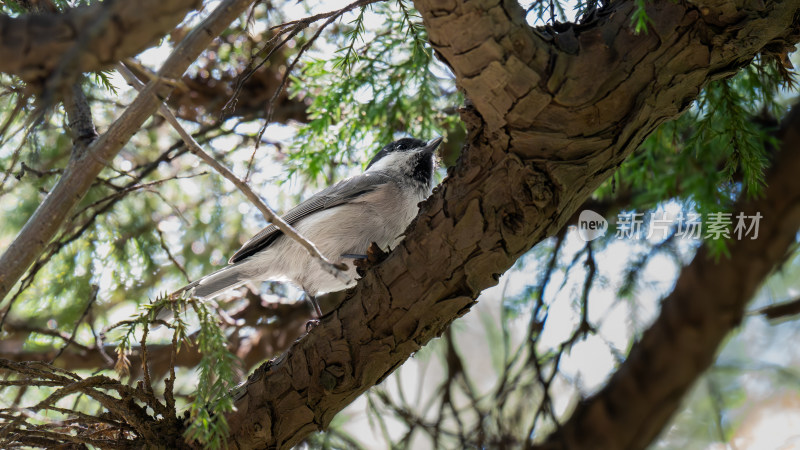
[171,257]
[147,382]
[131,188]
[80,173]
[332,16]
[292,28]
[22,100]
[270,215]
[169,383]
[92,298]
[15,156]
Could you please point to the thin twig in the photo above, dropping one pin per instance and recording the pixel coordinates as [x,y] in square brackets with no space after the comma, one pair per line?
[15,156]
[292,28]
[170,256]
[169,383]
[22,100]
[26,327]
[248,72]
[271,104]
[79,176]
[92,298]
[131,188]
[158,408]
[332,16]
[334,269]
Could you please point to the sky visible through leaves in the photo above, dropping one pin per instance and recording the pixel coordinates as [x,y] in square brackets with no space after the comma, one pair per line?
[372,79]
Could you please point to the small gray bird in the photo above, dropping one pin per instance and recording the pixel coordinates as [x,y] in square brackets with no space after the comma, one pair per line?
[342,221]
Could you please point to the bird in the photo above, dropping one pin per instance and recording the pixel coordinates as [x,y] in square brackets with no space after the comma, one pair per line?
[342,220]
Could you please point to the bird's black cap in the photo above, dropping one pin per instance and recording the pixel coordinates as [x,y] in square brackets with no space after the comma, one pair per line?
[405,144]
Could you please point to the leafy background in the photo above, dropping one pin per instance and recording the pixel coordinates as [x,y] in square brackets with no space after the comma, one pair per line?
[552,331]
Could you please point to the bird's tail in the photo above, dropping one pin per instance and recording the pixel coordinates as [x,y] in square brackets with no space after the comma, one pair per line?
[215,283]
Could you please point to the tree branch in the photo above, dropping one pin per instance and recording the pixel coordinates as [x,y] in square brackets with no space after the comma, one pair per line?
[707,303]
[270,215]
[781,310]
[34,45]
[271,327]
[554,117]
[80,119]
[81,172]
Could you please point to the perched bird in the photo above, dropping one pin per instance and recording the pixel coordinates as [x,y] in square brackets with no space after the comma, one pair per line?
[341,220]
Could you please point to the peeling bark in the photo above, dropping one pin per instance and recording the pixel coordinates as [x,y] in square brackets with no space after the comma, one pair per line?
[86,39]
[554,115]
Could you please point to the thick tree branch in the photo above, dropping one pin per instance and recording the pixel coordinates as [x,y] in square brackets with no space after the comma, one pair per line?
[34,45]
[199,97]
[781,310]
[707,303]
[555,116]
[81,172]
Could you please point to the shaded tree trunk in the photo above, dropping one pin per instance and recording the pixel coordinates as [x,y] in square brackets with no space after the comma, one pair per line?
[553,116]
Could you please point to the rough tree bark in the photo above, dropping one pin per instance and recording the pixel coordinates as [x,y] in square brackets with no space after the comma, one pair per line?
[554,115]
[87,38]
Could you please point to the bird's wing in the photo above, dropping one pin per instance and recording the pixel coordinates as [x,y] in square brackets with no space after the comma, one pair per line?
[342,192]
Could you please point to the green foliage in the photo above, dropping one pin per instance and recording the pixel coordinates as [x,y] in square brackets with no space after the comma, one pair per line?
[216,371]
[101,78]
[717,148]
[387,87]
[12,8]
[713,153]
[354,34]
[216,377]
[639,18]
[134,238]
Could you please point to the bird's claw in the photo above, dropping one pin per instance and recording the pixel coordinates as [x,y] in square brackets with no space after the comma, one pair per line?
[311,324]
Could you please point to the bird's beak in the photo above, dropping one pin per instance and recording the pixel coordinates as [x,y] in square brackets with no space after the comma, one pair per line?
[432,145]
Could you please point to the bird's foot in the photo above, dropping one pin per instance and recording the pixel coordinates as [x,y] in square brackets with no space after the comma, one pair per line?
[374,256]
[311,324]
